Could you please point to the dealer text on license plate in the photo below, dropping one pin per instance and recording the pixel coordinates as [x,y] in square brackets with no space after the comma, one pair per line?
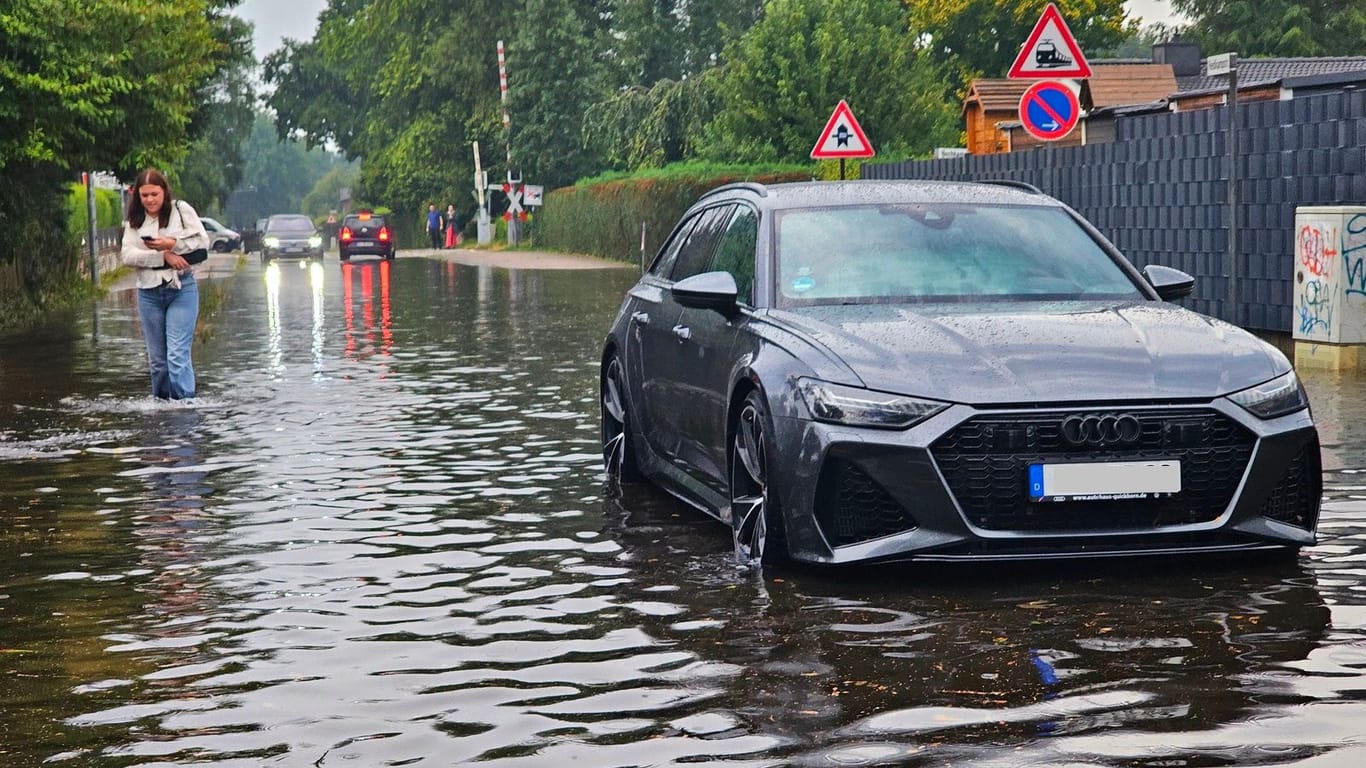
[1104,480]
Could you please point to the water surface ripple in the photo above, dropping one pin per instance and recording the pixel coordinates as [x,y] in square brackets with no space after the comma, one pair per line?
[381,538]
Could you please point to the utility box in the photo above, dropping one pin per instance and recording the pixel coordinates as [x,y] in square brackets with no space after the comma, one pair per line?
[1330,283]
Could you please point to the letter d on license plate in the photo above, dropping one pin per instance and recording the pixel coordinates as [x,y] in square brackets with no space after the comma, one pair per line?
[1104,480]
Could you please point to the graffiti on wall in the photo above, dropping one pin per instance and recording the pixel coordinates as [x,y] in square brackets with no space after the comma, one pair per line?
[1315,251]
[1353,254]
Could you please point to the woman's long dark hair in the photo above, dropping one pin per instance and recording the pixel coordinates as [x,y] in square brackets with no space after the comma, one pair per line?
[136,213]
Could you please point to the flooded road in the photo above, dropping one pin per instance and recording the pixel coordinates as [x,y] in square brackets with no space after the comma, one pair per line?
[380,538]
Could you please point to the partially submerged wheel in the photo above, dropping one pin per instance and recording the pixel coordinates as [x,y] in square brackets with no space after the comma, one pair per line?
[618,451]
[755,523]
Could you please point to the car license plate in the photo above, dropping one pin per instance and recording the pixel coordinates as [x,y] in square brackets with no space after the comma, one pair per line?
[364,243]
[1104,480]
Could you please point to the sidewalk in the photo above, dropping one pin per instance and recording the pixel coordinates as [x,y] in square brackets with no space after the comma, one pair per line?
[516,259]
[217,265]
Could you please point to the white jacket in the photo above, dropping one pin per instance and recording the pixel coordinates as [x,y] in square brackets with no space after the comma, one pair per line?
[184,226]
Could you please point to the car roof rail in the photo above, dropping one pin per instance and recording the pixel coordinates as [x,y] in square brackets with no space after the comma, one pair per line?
[1014,184]
[752,186]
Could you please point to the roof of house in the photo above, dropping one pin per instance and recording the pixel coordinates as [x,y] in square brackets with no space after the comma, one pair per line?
[1261,72]
[1112,83]
[1117,84]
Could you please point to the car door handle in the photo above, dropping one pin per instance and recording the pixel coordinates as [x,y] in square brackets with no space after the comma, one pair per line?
[682,332]
[640,318]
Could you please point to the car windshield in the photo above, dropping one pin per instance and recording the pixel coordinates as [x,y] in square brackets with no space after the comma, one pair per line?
[291,224]
[935,252]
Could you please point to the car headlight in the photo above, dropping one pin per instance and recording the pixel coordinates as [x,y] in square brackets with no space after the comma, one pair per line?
[315,241]
[272,242]
[1270,399]
[854,406]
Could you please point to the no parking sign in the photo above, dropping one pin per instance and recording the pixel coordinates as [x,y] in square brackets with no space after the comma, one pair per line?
[1049,110]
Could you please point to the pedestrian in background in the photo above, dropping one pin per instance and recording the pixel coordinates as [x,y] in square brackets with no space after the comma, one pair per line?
[434,225]
[452,232]
[161,232]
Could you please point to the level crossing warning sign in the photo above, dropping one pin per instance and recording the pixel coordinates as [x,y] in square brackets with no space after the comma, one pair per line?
[842,137]
[1050,51]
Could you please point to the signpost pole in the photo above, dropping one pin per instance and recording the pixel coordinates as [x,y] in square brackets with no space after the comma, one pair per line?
[841,169]
[92,230]
[1227,64]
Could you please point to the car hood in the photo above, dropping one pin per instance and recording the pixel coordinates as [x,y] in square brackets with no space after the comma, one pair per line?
[1014,353]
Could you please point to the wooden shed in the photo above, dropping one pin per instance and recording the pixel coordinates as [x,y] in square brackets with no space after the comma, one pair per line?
[991,108]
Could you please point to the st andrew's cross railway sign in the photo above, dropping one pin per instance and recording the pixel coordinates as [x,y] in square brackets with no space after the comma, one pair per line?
[1050,51]
[1049,110]
[842,137]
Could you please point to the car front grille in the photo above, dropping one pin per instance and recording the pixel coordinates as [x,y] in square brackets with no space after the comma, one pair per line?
[985,461]
[851,507]
[1296,498]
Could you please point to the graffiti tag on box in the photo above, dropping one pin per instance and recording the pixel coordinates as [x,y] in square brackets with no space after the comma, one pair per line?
[1315,250]
[1353,254]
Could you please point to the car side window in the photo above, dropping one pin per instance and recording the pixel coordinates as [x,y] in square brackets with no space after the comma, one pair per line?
[696,253]
[665,260]
[736,252]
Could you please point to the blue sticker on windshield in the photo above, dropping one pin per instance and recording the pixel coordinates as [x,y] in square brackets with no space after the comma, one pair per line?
[803,284]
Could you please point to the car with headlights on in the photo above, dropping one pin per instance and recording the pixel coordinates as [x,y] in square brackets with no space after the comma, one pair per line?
[866,371]
[292,236]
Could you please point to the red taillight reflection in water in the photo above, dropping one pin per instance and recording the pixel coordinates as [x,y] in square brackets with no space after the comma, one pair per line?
[365,297]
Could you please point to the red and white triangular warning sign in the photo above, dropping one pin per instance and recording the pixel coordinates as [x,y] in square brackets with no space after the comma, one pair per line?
[842,137]
[1050,52]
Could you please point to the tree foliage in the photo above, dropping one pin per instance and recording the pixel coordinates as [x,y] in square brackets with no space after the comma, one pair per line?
[983,37]
[783,78]
[405,84]
[278,175]
[557,80]
[1286,28]
[99,85]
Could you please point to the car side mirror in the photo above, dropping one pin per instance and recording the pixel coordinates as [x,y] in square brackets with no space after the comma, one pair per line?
[709,290]
[1170,284]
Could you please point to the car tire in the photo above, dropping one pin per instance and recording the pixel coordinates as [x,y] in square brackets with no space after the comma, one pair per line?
[390,255]
[343,255]
[618,441]
[756,523]
[222,246]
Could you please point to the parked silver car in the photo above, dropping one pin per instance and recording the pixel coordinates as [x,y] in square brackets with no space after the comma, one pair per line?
[221,238]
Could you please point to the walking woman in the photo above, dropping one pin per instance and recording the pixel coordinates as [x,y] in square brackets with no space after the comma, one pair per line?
[452,233]
[161,232]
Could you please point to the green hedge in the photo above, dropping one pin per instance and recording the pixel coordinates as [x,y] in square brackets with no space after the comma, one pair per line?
[603,216]
[108,210]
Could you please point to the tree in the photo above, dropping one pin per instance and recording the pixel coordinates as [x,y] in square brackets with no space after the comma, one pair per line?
[783,78]
[94,84]
[1287,28]
[982,37]
[405,85]
[277,175]
[556,81]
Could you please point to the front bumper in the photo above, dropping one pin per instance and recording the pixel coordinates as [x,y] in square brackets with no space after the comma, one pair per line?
[955,487]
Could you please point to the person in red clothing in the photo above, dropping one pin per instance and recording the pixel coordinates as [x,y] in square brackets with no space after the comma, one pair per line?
[452,234]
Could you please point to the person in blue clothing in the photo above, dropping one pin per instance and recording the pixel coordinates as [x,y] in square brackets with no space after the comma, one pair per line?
[434,225]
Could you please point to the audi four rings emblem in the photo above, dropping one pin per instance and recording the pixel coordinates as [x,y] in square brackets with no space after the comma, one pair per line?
[1101,429]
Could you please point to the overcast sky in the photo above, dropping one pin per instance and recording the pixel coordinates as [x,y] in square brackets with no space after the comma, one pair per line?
[278,19]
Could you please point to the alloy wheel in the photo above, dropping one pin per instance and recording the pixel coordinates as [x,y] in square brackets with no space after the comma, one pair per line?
[749,506]
[617,456]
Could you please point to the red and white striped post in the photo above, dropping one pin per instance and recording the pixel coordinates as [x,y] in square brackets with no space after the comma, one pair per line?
[503,91]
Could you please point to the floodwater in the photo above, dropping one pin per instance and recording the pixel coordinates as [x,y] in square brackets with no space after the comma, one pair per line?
[380,537]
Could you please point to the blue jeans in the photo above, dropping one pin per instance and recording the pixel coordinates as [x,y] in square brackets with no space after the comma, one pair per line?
[168,319]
